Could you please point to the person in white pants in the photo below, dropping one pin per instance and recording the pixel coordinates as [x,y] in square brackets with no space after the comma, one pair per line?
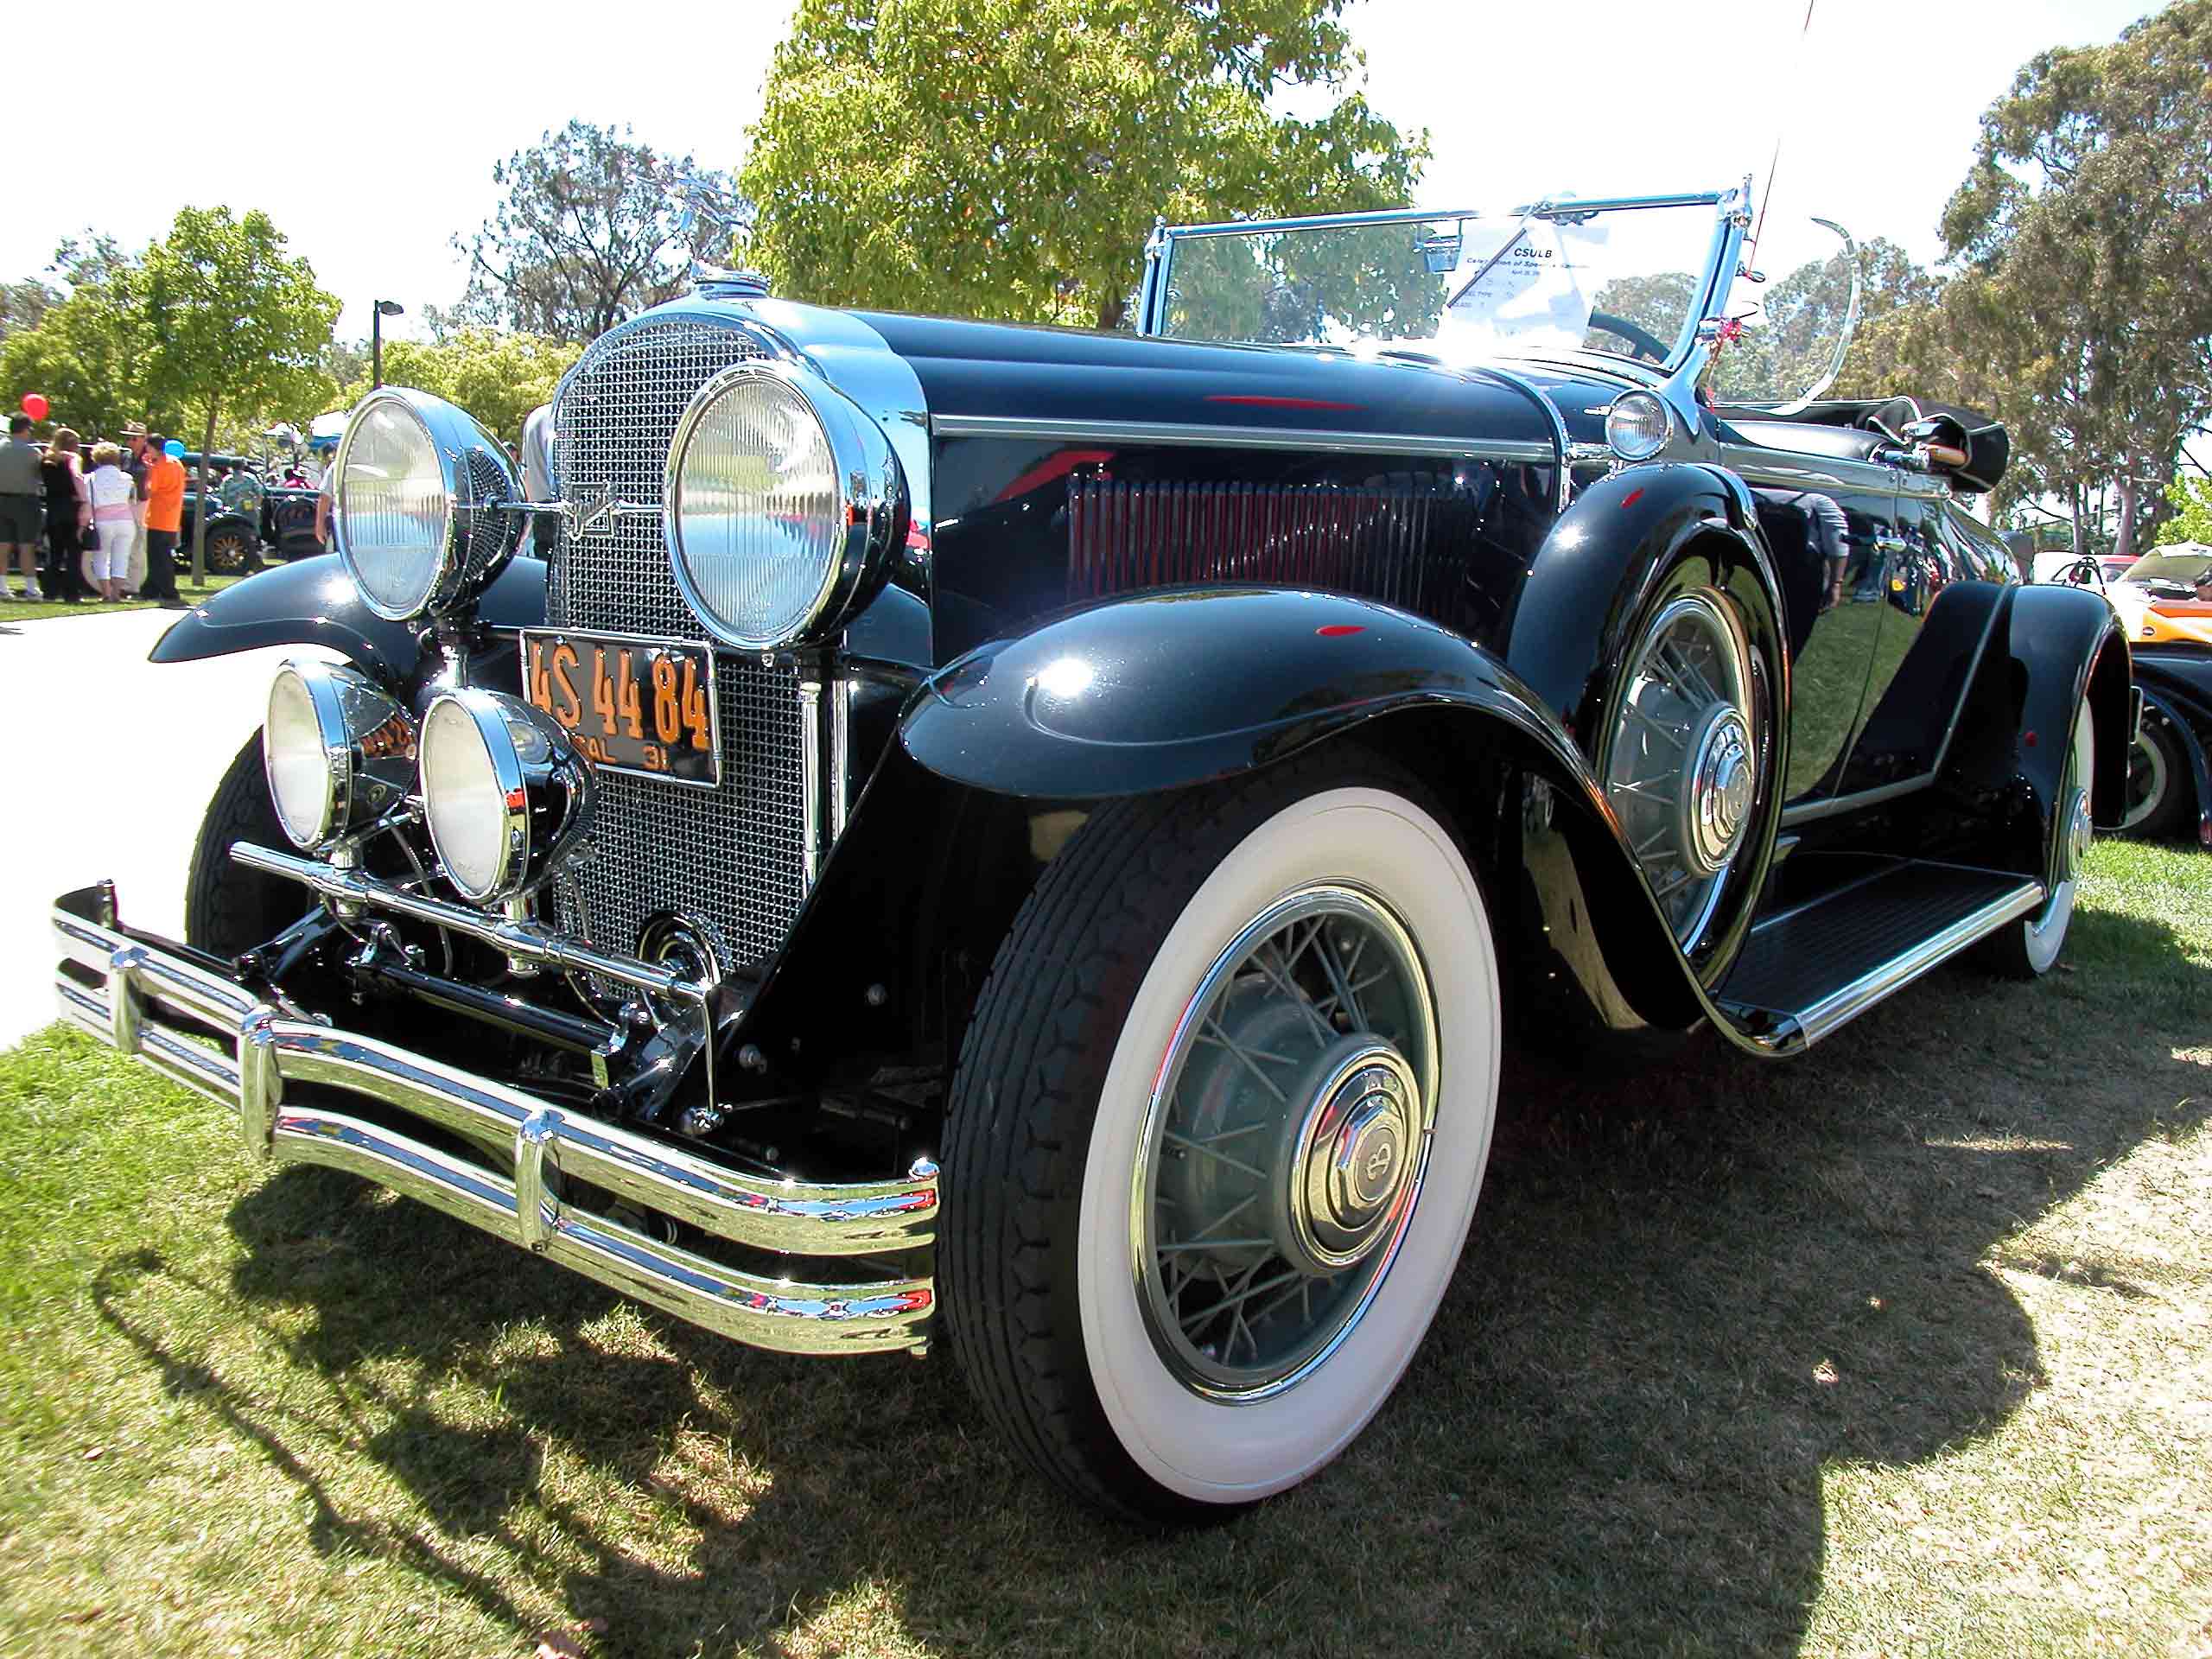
[116,514]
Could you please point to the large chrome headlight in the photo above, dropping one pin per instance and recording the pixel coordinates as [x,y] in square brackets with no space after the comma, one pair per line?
[422,519]
[781,503]
[338,750]
[506,795]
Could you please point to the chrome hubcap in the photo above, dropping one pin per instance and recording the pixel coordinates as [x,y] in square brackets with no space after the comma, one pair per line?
[2074,842]
[1683,773]
[1284,1143]
[1719,797]
[1346,1163]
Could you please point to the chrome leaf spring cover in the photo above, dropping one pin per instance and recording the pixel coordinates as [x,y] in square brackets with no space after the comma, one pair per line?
[1684,770]
[1285,1143]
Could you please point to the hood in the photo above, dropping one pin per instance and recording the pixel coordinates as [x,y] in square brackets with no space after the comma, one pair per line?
[1014,372]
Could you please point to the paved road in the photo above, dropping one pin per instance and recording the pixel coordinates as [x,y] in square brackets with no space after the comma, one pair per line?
[106,762]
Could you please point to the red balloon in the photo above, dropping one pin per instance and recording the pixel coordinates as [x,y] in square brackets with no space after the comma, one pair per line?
[35,406]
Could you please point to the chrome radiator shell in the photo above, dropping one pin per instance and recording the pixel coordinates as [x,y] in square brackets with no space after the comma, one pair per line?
[737,856]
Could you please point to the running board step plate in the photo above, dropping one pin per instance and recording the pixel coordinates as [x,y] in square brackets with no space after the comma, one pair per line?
[1820,965]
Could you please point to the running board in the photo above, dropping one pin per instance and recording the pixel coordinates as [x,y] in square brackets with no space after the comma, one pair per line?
[1820,965]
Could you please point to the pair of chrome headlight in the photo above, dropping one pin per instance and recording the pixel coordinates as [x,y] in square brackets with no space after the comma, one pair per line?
[781,500]
[505,794]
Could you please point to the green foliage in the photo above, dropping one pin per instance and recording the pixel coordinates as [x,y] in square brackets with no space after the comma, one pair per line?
[24,304]
[593,228]
[236,323]
[2191,500]
[87,355]
[1006,158]
[2085,297]
[498,378]
[213,328]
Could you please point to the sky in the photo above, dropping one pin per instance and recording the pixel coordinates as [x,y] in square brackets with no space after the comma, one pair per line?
[370,135]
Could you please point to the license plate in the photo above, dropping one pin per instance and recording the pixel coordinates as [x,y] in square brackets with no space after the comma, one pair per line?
[645,705]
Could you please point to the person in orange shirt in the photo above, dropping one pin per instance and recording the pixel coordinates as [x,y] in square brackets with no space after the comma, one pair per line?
[164,518]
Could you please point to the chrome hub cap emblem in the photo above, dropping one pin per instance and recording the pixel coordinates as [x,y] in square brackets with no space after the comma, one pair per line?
[1347,1162]
[1718,797]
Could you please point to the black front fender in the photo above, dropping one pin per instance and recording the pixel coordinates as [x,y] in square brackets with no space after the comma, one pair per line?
[313,602]
[1163,689]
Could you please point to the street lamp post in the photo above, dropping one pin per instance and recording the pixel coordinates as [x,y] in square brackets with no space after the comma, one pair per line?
[383,309]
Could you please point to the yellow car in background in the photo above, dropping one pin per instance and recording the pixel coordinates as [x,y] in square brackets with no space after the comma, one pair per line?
[2164,598]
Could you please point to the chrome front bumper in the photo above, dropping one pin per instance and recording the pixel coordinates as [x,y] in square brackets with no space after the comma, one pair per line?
[147,997]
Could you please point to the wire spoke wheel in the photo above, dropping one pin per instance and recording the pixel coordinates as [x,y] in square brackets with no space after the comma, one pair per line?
[1284,1146]
[1683,770]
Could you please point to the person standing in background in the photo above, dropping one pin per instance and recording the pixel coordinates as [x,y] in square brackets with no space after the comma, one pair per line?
[22,506]
[68,516]
[164,519]
[326,502]
[115,512]
[135,457]
[242,493]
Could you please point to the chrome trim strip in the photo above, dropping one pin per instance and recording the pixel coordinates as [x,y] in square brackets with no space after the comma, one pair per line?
[1563,207]
[809,745]
[1829,806]
[1842,1006]
[547,1145]
[841,754]
[1242,437]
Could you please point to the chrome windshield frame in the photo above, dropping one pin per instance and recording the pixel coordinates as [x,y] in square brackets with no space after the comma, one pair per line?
[1692,345]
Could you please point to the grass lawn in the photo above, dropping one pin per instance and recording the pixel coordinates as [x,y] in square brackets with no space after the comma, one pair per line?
[1904,1347]
[19,611]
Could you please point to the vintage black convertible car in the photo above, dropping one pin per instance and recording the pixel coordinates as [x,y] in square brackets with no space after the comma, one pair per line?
[1038,838]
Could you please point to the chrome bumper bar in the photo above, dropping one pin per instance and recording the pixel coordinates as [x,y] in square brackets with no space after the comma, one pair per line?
[149,999]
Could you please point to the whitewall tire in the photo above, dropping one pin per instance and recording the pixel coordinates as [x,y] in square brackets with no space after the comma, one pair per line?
[1219,1131]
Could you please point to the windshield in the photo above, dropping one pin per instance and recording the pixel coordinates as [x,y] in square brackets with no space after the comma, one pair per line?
[1623,279]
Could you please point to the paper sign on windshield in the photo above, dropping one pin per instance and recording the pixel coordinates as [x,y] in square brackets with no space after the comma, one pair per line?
[1539,295]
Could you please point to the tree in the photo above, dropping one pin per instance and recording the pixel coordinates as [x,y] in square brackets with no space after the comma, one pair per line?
[88,355]
[237,325]
[2084,287]
[593,228]
[2191,518]
[24,305]
[1006,158]
[498,378]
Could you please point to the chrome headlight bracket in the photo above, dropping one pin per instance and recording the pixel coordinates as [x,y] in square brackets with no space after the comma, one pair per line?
[870,516]
[480,527]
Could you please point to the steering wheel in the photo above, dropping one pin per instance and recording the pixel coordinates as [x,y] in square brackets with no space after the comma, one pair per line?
[1646,343]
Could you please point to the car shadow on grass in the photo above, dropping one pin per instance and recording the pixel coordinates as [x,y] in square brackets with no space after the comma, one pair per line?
[1686,1295]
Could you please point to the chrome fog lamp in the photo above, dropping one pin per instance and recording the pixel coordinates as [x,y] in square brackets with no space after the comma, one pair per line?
[1637,426]
[422,506]
[780,504]
[338,750]
[506,795]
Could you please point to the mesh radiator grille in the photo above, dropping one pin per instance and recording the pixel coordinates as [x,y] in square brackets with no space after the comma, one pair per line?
[734,855]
